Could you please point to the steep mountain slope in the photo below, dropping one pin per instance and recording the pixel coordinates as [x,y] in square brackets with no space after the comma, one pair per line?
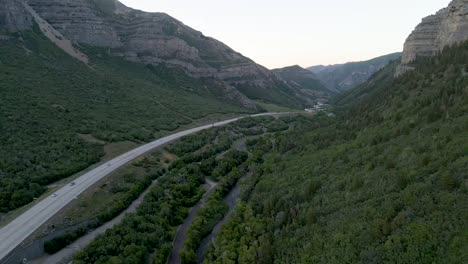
[448,26]
[51,103]
[79,74]
[369,88]
[344,77]
[157,38]
[14,16]
[382,182]
[305,81]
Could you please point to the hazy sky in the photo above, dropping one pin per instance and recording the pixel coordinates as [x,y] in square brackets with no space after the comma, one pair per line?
[277,33]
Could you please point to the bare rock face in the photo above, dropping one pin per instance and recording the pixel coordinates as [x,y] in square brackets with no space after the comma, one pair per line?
[156,38]
[79,20]
[447,27]
[14,16]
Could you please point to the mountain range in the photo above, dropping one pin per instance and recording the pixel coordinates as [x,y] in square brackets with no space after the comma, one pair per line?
[305,81]
[344,77]
[150,39]
[381,178]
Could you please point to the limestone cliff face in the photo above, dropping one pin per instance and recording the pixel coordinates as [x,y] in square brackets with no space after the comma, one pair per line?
[446,27]
[14,16]
[157,38]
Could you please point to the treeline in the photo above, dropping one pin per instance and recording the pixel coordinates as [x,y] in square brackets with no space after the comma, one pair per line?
[134,186]
[165,207]
[383,182]
[211,213]
[206,155]
[43,112]
[153,225]
[138,186]
[191,143]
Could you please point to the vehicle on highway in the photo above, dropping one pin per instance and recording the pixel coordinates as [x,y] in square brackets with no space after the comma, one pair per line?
[29,221]
[72,184]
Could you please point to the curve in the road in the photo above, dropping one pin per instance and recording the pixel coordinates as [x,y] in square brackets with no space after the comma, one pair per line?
[24,225]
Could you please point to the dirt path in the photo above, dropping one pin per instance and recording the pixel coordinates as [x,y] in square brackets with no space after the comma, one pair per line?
[181,235]
[231,200]
[66,254]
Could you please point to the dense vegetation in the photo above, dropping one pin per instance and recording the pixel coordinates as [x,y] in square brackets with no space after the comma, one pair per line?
[153,225]
[48,99]
[345,77]
[306,81]
[211,213]
[205,154]
[383,182]
[55,245]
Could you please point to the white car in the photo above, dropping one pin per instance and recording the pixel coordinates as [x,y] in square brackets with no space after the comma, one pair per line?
[72,184]
[54,195]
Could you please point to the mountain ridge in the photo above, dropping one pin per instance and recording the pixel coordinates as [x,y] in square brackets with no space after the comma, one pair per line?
[304,80]
[344,77]
[155,38]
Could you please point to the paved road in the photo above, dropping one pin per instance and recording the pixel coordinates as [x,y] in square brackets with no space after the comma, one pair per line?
[24,225]
[65,255]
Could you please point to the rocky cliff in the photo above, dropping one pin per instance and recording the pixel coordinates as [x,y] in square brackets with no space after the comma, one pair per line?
[447,27]
[154,38]
[14,16]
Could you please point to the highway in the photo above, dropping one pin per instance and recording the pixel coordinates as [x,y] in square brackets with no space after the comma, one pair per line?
[24,225]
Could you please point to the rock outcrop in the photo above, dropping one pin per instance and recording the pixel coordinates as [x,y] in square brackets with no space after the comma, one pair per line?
[157,38]
[14,16]
[447,27]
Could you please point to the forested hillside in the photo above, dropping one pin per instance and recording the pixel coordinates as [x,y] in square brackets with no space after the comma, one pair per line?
[345,77]
[50,104]
[385,181]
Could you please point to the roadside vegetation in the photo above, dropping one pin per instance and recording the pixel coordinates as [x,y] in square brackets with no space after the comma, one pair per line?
[152,228]
[49,100]
[385,181]
[212,212]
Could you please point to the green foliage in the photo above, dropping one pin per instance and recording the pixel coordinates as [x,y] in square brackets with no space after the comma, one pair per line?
[303,79]
[383,182]
[58,243]
[230,160]
[47,99]
[163,254]
[277,126]
[188,257]
[192,143]
[344,77]
[208,216]
[153,226]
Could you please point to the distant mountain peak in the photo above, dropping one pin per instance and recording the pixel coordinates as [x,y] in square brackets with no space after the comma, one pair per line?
[305,81]
[344,77]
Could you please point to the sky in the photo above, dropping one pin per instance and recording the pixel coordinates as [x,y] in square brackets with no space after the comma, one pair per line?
[279,33]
